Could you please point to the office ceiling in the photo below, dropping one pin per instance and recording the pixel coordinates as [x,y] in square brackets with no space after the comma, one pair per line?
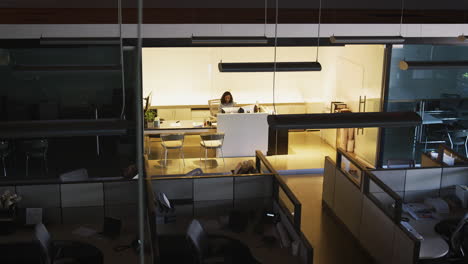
[239,11]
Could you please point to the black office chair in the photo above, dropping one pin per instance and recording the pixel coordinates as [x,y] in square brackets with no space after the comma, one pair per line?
[55,252]
[36,149]
[4,152]
[216,249]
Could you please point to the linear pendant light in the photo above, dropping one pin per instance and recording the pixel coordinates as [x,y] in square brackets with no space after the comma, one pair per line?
[262,40]
[272,66]
[80,41]
[430,65]
[269,66]
[344,120]
[367,40]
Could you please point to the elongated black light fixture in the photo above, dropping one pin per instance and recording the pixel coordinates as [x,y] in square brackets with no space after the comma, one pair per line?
[344,120]
[367,40]
[79,41]
[431,65]
[262,40]
[274,66]
[269,66]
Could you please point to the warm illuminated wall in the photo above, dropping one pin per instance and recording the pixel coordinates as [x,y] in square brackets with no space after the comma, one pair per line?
[190,76]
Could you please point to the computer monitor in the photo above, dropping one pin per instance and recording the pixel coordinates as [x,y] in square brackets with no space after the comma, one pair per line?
[230,110]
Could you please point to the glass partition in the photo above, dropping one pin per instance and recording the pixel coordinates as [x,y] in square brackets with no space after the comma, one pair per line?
[440,96]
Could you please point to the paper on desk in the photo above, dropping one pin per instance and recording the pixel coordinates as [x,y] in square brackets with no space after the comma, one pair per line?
[84,231]
[175,124]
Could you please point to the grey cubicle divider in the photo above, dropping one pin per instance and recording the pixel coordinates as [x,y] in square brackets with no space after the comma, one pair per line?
[45,196]
[79,202]
[329,174]
[452,176]
[347,202]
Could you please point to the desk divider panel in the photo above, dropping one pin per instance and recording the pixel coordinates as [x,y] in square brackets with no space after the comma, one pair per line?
[377,236]
[395,179]
[45,196]
[421,183]
[328,194]
[348,202]
[82,202]
[175,189]
[121,201]
[452,176]
[405,247]
[212,189]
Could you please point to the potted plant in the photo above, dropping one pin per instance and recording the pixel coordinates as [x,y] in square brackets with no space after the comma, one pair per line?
[8,204]
[149,118]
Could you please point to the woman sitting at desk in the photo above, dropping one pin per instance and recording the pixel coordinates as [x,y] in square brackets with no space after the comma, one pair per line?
[226,101]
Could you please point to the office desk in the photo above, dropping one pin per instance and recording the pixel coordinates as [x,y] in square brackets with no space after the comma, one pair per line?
[66,232]
[183,126]
[433,245]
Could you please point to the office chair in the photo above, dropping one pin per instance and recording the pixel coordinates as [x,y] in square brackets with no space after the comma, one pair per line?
[36,149]
[4,152]
[212,141]
[216,249]
[459,138]
[403,163]
[172,141]
[54,252]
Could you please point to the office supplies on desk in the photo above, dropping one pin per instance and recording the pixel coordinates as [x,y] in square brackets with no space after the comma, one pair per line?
[439,205]
[418,210]
[411,230]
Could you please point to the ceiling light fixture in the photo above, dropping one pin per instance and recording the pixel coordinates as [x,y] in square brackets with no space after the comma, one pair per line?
[367,40]
[430,65]
[269,66]
[80,41]
[229,40]
[372,39]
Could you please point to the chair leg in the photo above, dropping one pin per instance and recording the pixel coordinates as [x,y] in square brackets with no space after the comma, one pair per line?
[165,157]
[206,156]
[27,166]
[222,155]
[183,158]
[46,167]
[466,147]
[4,167]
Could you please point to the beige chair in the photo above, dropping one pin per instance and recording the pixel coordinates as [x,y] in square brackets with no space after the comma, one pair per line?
[172,141]
[212,141]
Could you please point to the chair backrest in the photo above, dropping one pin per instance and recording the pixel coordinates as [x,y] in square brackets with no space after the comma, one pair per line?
[460,133]
[172,137]
[402,163]
[214,106]
[76,175]
[45,242]
[212,136]
[3,146]
[457,235]
[198,239]
[37,145]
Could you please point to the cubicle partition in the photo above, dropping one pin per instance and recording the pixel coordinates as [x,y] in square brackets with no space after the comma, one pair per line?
[206,196]
[369,202]
[79,202]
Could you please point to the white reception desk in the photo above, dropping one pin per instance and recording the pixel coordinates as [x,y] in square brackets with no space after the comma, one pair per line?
[244,133]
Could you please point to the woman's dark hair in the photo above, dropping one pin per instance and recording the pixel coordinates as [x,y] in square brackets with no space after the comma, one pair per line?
[223,101]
